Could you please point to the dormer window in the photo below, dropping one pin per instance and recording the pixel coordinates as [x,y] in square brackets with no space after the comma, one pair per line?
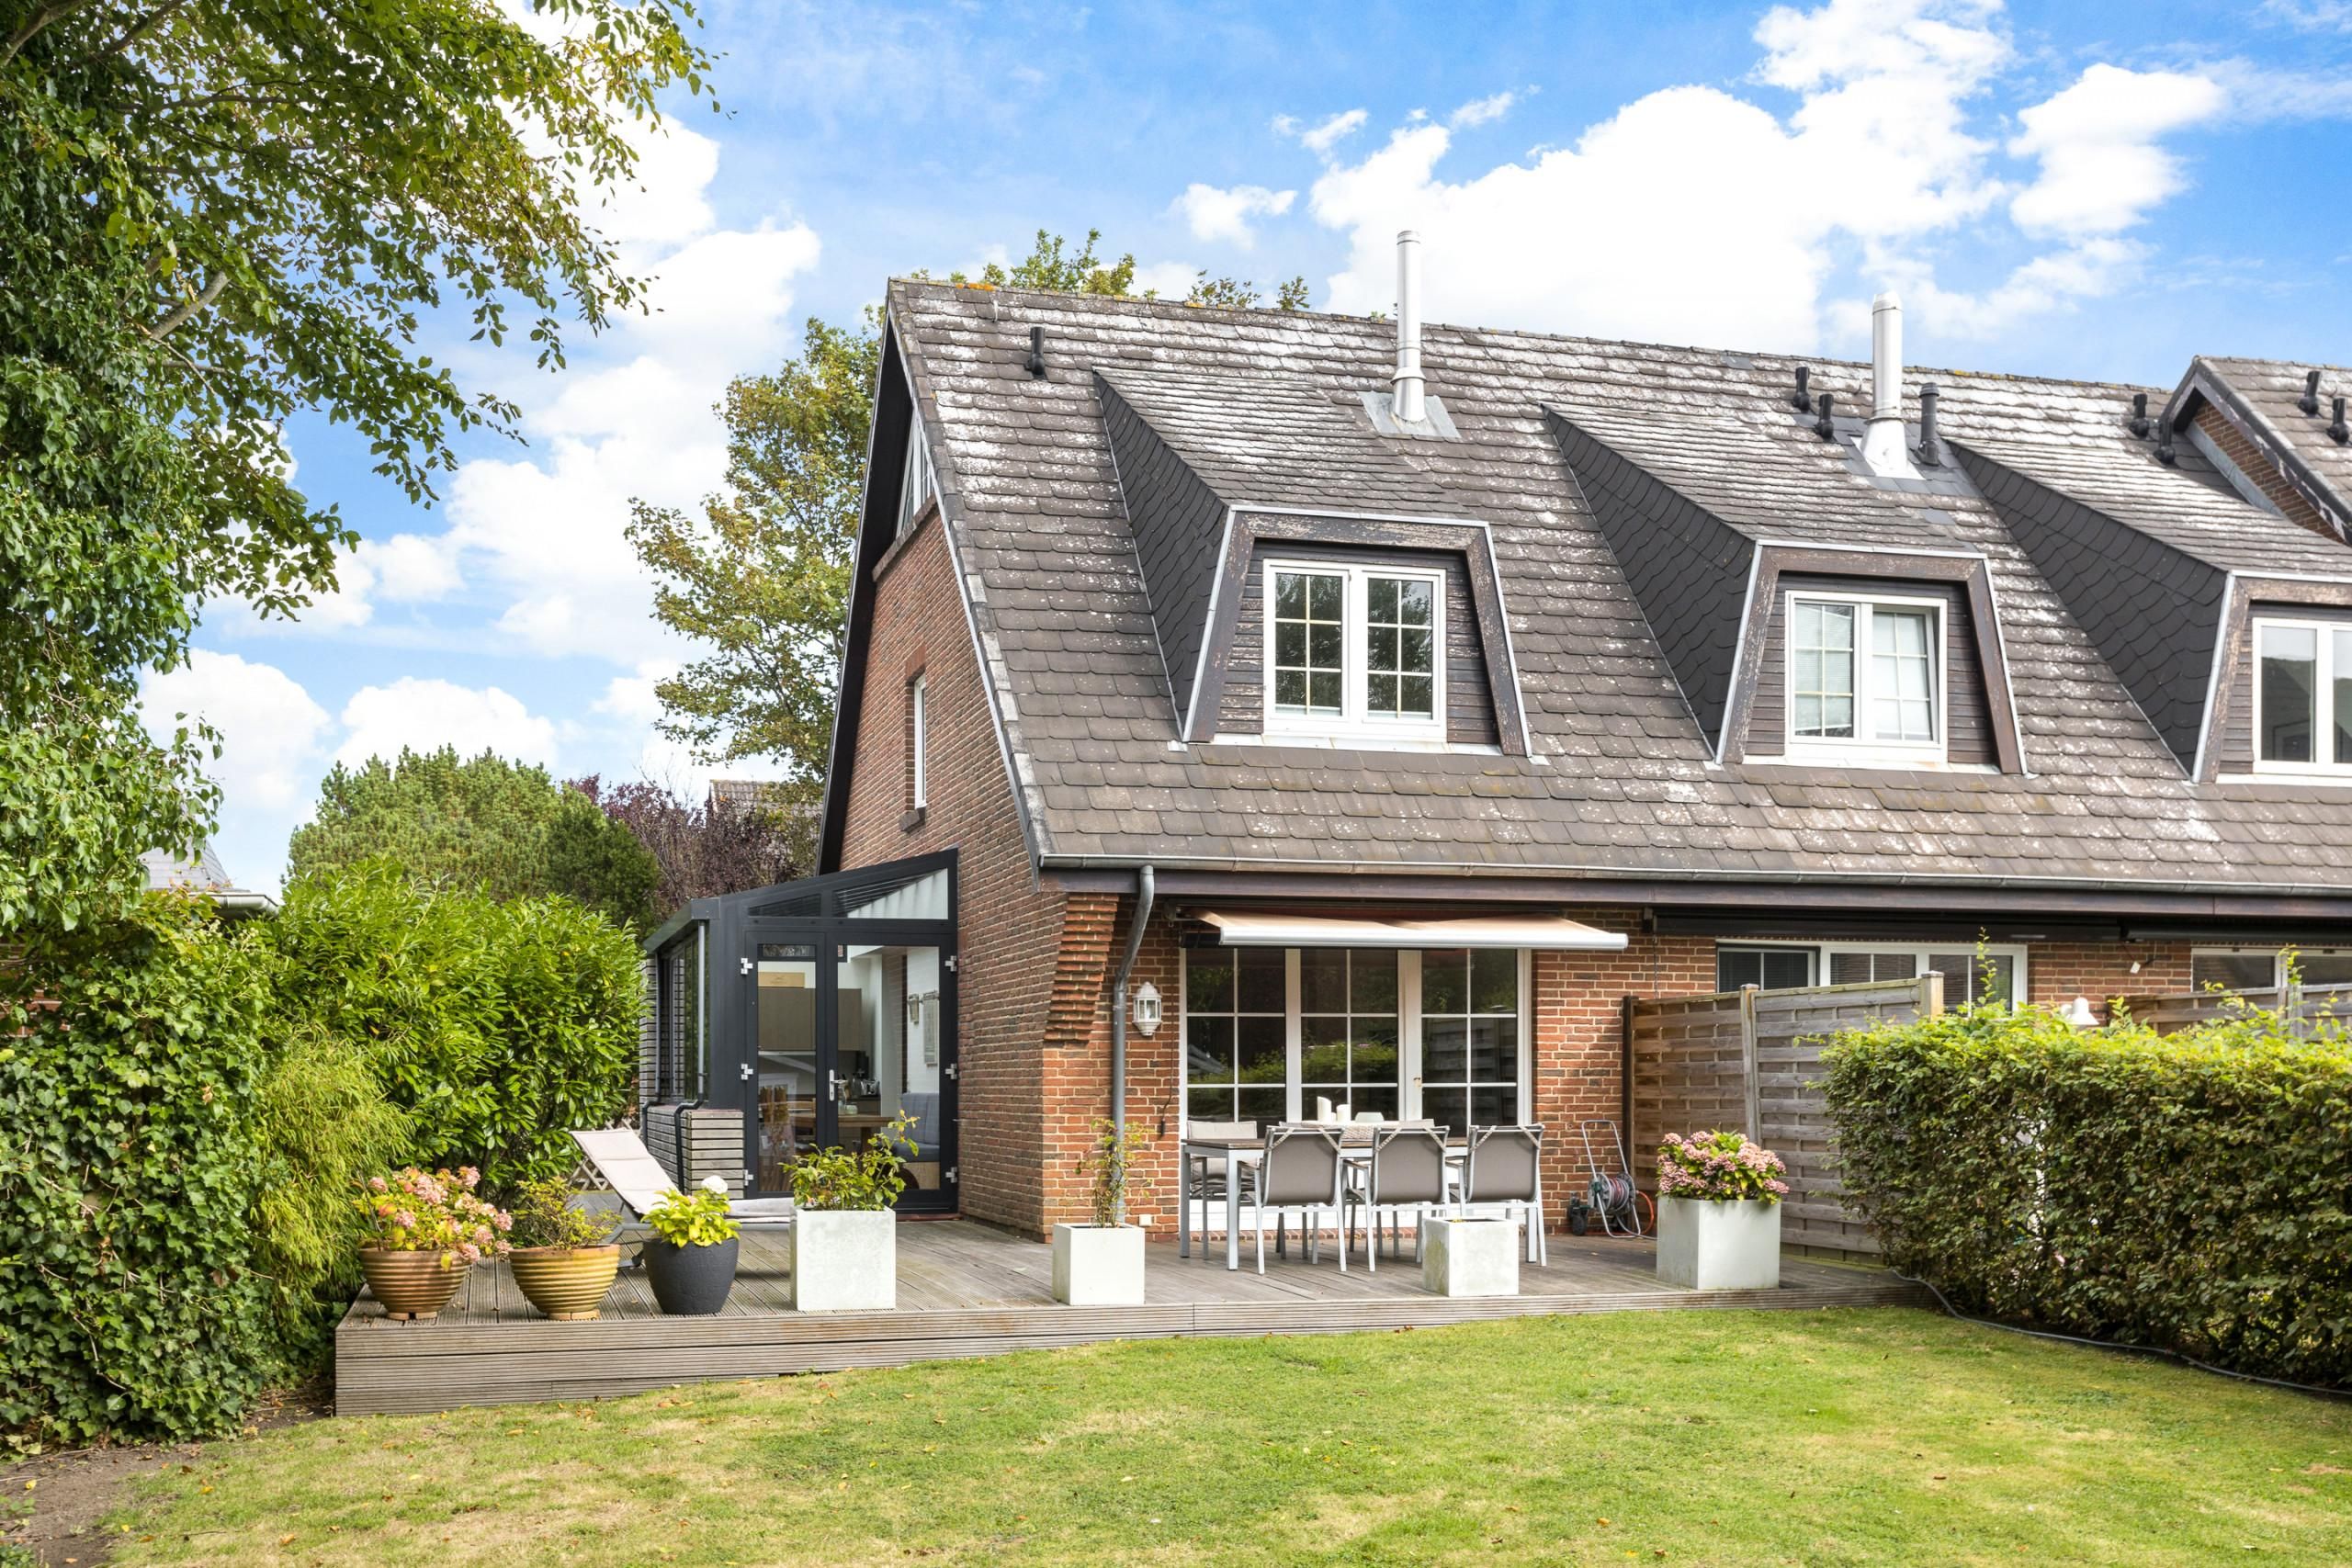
[1865,677]
[1356,650]
[2302,696]
[917,484]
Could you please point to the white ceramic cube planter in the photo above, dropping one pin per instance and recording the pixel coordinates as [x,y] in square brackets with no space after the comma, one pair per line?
[845,1260]
[1098,1265]
[1469,1258]
[1719,1245]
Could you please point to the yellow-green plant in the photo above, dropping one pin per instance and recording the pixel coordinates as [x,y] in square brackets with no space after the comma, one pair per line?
[698,1218]
[545,1216]
[871,1178]
[1106,1164]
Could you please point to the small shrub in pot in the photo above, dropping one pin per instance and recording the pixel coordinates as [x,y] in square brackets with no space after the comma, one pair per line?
[564,1257]
[690,1260]
[1101,1264]
[421,1232]
[1719,1212]
[844,1236]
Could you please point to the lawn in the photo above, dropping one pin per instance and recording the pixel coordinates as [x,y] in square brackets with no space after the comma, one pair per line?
[1872,1436]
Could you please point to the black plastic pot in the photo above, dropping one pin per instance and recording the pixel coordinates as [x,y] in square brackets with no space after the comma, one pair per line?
[690,1281]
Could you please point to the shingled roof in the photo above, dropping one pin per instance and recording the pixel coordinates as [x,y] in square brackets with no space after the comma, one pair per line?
[1264,409]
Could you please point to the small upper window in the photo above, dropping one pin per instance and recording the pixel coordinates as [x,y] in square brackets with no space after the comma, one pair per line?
[918,742]
[2302,696]
[1774,968]
[1865,674]
[2265,968]
[917,485]
[1354,650]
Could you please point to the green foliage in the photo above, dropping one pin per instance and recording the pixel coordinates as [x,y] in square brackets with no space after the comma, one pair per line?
[762,579]
[505,829]
[1106,1165]
[321,1124]
[217,216]
[871,1178]
[129,1170]
[2188,1190]
[545,1216]
[698,1218]
[497,1027]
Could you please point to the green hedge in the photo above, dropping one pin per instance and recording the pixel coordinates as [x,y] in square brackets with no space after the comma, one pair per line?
[128,1303]
[2188,1191]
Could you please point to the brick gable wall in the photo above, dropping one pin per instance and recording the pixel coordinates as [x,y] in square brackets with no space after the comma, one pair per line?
[2260,468]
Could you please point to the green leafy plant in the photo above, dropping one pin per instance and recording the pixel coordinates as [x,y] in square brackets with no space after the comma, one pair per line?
[698,1218]
[2185,1190]
[545,1216]
[1719,1167]
[871,1178]
[410,1211]
[1106,1165]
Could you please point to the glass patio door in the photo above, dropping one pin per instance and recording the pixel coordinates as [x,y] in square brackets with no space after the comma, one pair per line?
[851,1036]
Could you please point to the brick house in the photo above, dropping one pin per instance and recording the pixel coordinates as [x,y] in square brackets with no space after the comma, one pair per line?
[1250,709]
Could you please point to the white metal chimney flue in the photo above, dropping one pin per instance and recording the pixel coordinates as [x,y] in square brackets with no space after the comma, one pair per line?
[1884,441]
[1408,406]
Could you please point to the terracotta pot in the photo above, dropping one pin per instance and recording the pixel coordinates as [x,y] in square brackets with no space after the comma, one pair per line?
[411,1285]
[690,1281]
[568,1283]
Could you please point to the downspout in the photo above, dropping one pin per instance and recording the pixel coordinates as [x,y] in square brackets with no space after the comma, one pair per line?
[1119,997]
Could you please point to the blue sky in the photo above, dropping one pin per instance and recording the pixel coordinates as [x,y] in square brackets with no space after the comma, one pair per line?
[2066,190]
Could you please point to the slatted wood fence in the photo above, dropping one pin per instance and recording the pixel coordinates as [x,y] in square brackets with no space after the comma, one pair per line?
[1750,1060]
[2306,1009]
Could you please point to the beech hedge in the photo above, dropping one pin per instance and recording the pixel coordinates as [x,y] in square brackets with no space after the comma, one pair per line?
[2188,1191]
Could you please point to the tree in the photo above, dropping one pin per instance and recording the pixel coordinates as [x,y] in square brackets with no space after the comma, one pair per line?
[503,828]
[708,850]
[762,579]
[217,216]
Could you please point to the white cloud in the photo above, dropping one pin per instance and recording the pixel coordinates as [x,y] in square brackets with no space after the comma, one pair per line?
[271,732]
[631,696]
[1697,215]
[424,714]
[1216,214]
[1169,279]
[1320,139]
[409,566]
[2101,169]
[1481,111]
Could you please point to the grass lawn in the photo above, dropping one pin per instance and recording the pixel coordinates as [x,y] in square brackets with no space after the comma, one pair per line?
[1886,1435]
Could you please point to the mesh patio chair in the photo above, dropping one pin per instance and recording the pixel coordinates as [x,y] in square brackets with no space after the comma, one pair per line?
[1204,1175]
[1300,1169]
[1407,1171]
[1505,1169]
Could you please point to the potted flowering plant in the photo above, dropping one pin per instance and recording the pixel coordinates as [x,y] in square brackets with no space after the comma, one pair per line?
[421,1232]
[844,1235]
[690,1259]
[1719,1213]
[564,1257]
[1101,1263]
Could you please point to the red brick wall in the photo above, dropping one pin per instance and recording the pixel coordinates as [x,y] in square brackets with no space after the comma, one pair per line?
[2258,466]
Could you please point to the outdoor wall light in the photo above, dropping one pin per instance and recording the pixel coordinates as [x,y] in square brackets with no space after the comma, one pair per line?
[1147,1008]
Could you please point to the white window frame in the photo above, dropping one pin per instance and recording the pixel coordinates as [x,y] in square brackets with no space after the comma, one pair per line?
[1863,748]
[917,483]
[2277,956]
[2020,986]
[919,736]
[1353,722]
[1409,1036]
[2323,677]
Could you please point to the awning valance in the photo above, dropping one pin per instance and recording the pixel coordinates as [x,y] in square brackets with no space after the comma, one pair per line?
[1251,929]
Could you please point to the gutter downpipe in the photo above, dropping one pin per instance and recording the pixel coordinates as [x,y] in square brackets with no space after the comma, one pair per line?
[1119,997]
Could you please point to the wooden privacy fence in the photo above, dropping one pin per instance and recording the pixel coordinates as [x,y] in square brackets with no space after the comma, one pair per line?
[1750,1060]
[2306,1009]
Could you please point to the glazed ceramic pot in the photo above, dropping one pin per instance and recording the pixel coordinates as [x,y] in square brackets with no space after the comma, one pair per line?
[568,1283]
[410,1285]
[690,1281]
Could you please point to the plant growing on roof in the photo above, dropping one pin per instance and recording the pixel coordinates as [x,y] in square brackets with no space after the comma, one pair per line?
[871,1178]
[1105,1164]
[1719,1167]
[698,1218]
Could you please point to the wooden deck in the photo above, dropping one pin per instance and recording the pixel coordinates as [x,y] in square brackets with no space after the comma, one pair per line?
[968,1290]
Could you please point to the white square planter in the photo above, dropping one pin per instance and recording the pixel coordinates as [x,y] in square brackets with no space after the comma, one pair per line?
[845,1260]
[1469,1258]
[1708,1245]
[1098,1265]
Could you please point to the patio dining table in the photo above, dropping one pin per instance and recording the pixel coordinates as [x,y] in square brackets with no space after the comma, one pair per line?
[1355,1146]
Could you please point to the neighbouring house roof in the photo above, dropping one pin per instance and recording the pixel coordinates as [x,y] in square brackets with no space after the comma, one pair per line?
[203,873]
[1084,598]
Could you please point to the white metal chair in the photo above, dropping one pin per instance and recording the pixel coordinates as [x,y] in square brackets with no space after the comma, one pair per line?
[1300,1169]
[1407,1171]
[1505,1170]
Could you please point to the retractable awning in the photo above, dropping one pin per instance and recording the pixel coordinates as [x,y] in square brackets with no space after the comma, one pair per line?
[1250,929]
